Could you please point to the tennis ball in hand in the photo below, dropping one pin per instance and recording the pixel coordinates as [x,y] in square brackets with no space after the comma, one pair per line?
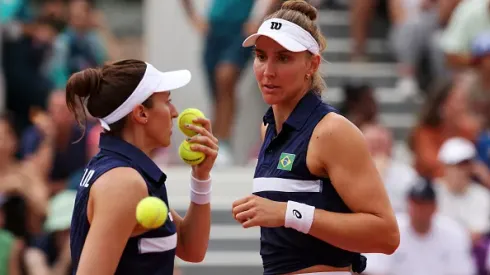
[151,212]
[186,117]
[188,156]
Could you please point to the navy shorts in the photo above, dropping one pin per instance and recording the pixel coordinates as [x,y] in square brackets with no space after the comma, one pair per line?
[224,46]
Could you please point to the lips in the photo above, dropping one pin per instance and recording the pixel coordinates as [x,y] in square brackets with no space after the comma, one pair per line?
[269,88]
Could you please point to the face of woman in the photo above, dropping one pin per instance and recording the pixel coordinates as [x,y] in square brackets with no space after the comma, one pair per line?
[160,115]
[281,74]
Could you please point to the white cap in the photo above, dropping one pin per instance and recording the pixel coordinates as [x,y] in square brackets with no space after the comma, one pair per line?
[456,150]
[152,82]
[289,35]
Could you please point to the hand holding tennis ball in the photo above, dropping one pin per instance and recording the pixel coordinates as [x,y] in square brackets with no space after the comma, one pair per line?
[200,149]
[188,156]
[186,117]
[151,212]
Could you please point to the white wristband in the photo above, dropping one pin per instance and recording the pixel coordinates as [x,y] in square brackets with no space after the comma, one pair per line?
[200,191]
[299,216]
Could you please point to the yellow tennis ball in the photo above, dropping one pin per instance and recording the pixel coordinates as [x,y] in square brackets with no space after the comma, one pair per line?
[151,212]
[188,156]
[186,117]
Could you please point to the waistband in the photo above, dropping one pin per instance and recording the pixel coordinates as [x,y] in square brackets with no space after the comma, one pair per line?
[328,273]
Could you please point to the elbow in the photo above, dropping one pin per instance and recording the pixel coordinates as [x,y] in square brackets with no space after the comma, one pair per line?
[391,239]
[195,255]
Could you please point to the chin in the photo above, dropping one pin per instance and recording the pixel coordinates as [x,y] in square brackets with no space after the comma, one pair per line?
[272,99]
[165,143]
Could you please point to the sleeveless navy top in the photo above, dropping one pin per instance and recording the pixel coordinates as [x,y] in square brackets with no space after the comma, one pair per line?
[151,253]
[281,175]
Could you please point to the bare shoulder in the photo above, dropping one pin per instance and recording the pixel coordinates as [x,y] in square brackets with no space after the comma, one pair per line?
[334,126]
[117,182]
[337,142]
[335,129]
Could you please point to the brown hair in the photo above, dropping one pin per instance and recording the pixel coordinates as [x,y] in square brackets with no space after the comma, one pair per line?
[103,90]
[304,15]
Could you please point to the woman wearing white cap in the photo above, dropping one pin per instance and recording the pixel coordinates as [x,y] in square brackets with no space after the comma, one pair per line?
[317,195]
[132,101]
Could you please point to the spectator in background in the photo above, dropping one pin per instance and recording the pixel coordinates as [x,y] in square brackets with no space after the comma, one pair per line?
[430,243]
[93,138]
[361,17]
[50,255]
[481,92]
[81,45]
[359,105]
[225,29]
[69,156]
[55,9]
[469,19]
[413,25]
[445,114]
[10,249]
[458,196]
[23,184]
[2,81]
[24,57]
[397,176]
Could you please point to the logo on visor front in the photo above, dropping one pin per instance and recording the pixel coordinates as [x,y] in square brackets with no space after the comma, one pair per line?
[276,26]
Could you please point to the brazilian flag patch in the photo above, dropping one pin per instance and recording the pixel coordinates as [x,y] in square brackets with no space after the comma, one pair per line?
[286,162]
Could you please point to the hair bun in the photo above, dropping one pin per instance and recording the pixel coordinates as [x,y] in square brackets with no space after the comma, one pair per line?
[85,82]
[301,6]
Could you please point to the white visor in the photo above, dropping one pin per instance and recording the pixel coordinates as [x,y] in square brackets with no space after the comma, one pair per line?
[153,81]
[289,35]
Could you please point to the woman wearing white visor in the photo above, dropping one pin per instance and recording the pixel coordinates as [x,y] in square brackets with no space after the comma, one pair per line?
[132,101]
[317,197]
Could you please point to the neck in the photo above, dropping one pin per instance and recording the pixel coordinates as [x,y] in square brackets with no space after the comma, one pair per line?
[421,228]
[283,110]
[138,140]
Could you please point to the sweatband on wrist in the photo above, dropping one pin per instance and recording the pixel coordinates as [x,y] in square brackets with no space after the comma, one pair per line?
[299,216]
[200,190]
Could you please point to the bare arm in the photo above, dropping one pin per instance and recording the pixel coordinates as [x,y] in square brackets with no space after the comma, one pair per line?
[345,157]
[193,232]
[37,264]
[446,8]
[189,8]
[397,13]
[112,197]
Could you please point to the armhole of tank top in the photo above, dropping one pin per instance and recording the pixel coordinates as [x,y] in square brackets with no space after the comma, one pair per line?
[308,147]
[94,180]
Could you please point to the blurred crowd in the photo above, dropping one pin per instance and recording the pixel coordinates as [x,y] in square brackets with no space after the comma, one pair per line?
[442,50]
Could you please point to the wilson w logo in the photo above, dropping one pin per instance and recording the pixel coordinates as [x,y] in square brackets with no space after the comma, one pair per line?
[276,25]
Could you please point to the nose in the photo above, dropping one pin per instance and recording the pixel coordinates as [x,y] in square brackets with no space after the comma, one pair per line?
[269,70]
[173,111]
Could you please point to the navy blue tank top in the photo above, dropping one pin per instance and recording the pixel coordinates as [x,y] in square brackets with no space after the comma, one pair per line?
[151,253]
[281,175]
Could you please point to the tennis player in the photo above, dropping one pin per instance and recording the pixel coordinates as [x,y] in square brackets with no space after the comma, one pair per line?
[317,195]
[132,101]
